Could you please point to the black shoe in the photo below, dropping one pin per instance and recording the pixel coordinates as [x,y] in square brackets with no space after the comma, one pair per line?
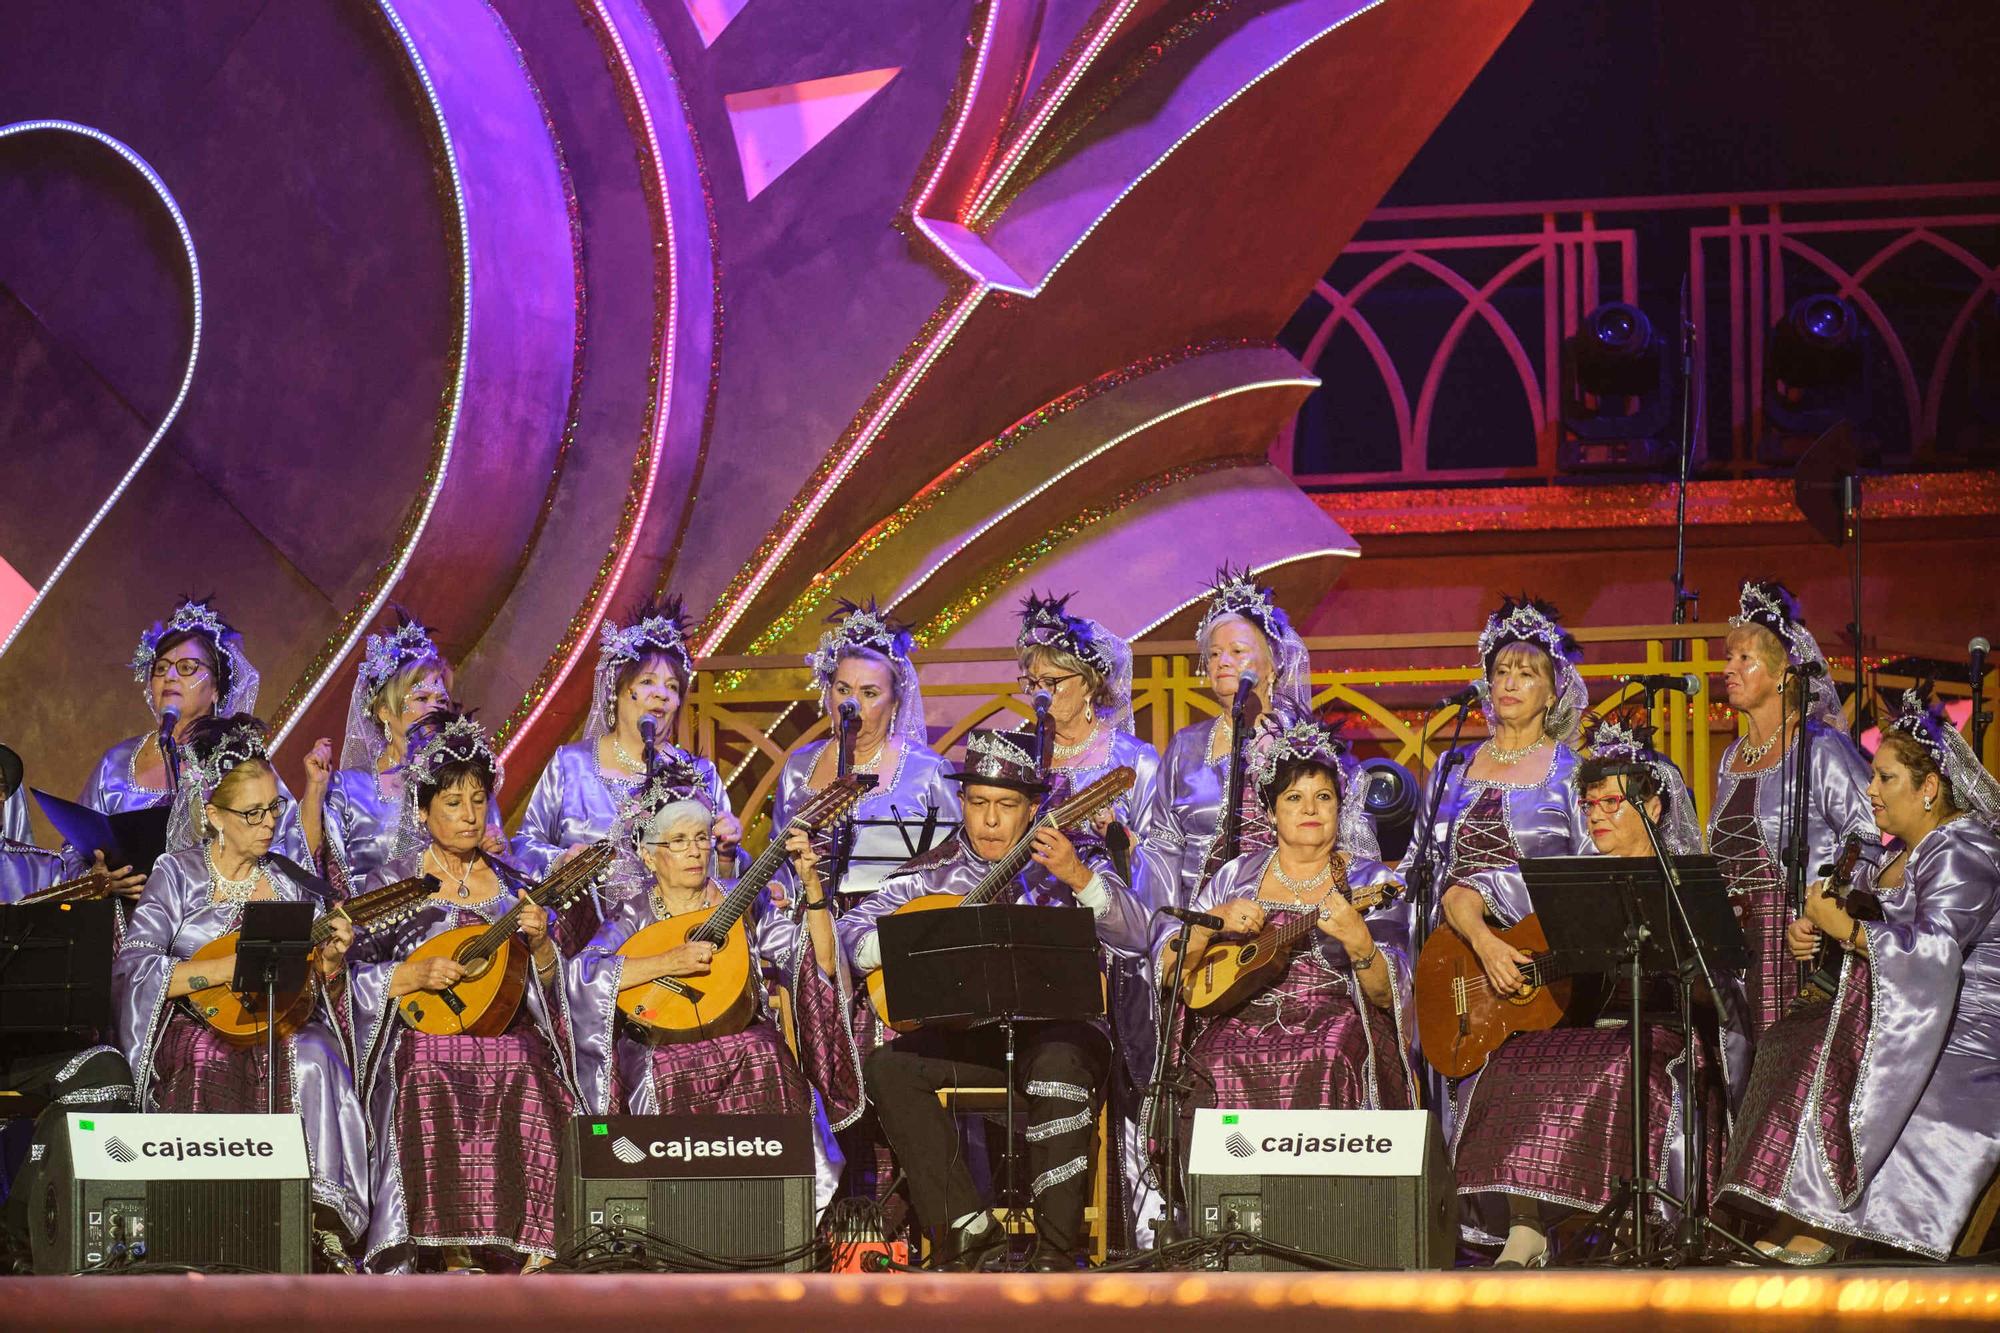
[964,1247]
[1048,1259]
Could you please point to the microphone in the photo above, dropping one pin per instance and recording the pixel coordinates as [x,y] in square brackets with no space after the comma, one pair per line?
[850,724]
[1045,735]
[1186,917]
[649,731]
[1466,697]
[1808,670]
[1977,651]
[1690,685]
[1246,690]
[170,721]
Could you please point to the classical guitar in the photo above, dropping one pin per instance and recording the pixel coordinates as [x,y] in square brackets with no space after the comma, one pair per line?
[723,999]
[483,1002]
[1460,1021]
[1823,982]
[240,1019]
[1231,971]
[1070,814]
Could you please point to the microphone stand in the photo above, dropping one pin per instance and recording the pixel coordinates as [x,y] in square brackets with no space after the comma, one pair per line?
[844,834]
[1693,408]
[1169,1075]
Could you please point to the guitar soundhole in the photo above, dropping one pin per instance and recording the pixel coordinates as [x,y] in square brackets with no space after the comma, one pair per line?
[1246,955]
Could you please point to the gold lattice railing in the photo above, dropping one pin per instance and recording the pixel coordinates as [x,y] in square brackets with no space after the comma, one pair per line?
[1377,688]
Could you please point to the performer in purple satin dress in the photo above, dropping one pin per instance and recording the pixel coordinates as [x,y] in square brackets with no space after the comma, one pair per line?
[1509,797]
[1875,1115]
[353,816]
[1547,1124]
[1333,1029]
[191,665]
[663,837]
[24,867]
[463,1129]
[1061,1067]
[643,672]
[1746,828]
[219,858]
[864,660]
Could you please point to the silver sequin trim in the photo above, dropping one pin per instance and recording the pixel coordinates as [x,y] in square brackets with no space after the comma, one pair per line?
[81,1058]
[1068,1092]
[109,1092]
[1054,1176]
[1054,1128]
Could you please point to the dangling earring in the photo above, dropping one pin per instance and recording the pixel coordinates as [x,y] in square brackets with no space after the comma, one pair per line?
[1929,801]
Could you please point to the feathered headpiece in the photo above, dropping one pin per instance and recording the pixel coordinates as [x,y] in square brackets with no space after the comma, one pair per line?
[384,657]
[661,630]
[1614,740]
[199,615]
[1047,623]
[1532,621]
[857,626]
[1770,604]
[1236,593]
[1973,789]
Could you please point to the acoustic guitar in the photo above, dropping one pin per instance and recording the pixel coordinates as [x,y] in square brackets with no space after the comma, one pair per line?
[1823,982]
[1460,1021]
[1070,814]
[483,1002]
[724,999]
[1231,971]
[240,1019]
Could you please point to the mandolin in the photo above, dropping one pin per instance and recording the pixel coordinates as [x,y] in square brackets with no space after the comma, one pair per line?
[1823,983]
[723,999]
[1070,814]
[83,888]
[1231,971]
[240,1018]
[1460,1021]
[483,1002]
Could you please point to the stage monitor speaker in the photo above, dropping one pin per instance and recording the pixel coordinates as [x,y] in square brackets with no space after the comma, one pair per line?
[214,1190]
[731,1186]
[1371,1188]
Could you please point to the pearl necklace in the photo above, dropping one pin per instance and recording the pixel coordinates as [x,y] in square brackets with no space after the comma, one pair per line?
[232,890]
[1505,756]
[1302,886]
[1061,751]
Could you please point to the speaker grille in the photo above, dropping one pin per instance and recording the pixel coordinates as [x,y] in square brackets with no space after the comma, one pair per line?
[236,1222]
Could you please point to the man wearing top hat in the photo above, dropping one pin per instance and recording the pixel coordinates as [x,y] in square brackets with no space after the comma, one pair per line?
[1061,1065]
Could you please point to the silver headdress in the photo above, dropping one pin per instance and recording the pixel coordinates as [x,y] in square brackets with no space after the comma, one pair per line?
[433,745]
[1770,604]
[1613,740]
[385,656]
[198,615]
[214,756]
[1276,740]
[675,779]
[1532,621]
[1973,789]
[663,631]
[856,626]
[1236,593]
[1047,623]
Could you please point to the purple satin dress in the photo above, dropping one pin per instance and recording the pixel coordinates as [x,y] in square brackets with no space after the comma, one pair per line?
[916,793]
[463,1130]
[24,867]
[1311,1040]
[1877,1114]
[180,1064]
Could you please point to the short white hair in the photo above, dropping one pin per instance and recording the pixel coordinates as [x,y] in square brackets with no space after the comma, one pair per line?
[671,817]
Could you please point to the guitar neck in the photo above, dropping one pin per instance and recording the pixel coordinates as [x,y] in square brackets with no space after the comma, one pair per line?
[1001,873]
[744,892]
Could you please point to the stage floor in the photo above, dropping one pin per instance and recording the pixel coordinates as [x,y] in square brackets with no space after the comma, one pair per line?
[1877,1298]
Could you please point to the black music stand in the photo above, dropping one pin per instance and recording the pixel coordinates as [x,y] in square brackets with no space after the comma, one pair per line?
[998,963]
[1609,914]
[271,948]
[55,969]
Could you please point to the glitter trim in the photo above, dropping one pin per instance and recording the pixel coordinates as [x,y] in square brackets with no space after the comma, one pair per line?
[1056,1128]
[1056,1175]
[1068,1092]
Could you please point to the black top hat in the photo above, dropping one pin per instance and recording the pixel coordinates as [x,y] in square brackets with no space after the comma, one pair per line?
[996,759]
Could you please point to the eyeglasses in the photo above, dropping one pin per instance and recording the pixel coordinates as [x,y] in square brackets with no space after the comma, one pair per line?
[1608,804]
[257,815]
[685,842]
[187,668]
[1032,684]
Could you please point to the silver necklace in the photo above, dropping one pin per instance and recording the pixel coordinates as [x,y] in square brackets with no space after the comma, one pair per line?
[232,890]
[1749,756]
[623,756]
[1505,756]
[1301,886]
[1061,751]
[464,888]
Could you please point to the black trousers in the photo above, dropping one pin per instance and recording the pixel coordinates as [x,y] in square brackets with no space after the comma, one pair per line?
[1060,1070]
[90,1078]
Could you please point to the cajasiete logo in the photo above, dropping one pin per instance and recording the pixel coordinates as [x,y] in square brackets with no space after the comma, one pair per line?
[120,1151]
[627,1151]
[179,1149]
[1238,1144]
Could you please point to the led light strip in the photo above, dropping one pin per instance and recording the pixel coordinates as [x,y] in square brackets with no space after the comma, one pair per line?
[1255,571]
[921,363]
[152,178]
[661,408]
[381,594]
[1307,382]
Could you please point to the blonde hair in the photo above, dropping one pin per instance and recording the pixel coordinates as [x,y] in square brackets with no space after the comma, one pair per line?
[1556,721]
[228,792]
[394,691]
[1765,646]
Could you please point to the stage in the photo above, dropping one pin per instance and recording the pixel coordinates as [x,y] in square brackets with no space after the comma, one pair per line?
[1880,1298]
